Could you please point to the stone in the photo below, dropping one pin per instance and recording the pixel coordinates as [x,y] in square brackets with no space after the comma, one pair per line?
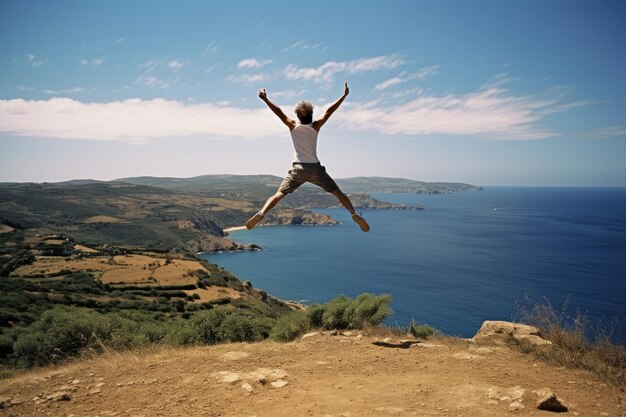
[548,401]
[63,397]
[516,406]
[279,383]
[246,386]
[5,402]
[312,334]
[500,331]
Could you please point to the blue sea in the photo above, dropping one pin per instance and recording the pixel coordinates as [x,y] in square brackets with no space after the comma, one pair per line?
[466,258]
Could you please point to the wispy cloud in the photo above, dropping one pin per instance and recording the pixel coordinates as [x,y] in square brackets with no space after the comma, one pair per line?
[406,76]
[488,114]
[175,64]
[53,92]
[247,79]
[327,71]
[210,68]
[211,48]
[133,120]
[65,91]
[287,94]
[253,63]
[94,63]
[160,73]
[303,46]
[612,132]
[33,61]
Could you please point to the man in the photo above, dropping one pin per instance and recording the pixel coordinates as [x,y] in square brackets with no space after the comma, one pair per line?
[306,167]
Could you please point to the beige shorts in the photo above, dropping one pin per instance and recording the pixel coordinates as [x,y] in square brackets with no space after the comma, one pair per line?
[303,172]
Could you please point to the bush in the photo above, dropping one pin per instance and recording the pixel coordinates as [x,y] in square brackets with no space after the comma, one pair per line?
[421,331]
[340,313]
[241,328]
[291,327]
[344,313]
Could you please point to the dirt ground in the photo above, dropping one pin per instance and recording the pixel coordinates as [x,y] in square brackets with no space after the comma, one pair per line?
[320,375]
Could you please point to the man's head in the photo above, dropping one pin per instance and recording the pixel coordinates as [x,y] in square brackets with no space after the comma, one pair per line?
[304,111]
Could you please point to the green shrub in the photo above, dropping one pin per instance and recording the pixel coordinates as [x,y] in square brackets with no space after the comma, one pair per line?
[345,313]
[241,328]
[339,313]
[291,326]
[421,331]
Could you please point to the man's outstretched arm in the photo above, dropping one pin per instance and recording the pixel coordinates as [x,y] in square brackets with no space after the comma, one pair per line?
[329,111]
[290,123]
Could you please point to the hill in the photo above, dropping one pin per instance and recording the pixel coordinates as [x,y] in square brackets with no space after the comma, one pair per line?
[322,374]
[129,215]
[262,185]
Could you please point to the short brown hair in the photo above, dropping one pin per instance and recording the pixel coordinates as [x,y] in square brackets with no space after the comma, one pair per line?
[304,111]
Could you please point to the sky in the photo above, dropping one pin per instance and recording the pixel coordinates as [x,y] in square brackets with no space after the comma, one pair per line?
[484,92]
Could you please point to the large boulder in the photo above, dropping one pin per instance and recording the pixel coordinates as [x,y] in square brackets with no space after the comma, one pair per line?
[499,332]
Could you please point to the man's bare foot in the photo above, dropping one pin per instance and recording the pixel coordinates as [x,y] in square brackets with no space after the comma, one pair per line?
[254,220]
[361,222]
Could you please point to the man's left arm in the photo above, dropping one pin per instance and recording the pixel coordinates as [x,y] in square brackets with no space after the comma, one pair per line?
[317,125]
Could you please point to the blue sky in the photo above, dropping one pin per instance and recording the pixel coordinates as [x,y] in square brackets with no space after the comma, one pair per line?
[485,92]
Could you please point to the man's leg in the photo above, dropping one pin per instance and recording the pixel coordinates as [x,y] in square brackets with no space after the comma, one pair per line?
[269,204]
[345,201]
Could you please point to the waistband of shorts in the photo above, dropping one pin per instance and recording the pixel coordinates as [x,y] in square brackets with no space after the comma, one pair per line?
[308,164]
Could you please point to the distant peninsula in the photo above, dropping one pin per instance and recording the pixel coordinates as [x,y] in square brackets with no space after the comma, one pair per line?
[183,214]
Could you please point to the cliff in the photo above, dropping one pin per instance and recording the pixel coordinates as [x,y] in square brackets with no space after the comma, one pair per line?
[322,374]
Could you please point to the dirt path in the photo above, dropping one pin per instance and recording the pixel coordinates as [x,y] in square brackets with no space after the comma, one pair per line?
[320,375]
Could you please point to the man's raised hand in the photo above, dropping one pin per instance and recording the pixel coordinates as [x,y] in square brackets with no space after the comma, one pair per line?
[262,94]
[346,90]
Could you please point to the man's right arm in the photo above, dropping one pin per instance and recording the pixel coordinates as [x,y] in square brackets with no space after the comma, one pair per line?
[290,123]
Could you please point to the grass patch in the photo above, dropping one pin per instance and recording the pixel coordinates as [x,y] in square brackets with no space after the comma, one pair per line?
[576,341]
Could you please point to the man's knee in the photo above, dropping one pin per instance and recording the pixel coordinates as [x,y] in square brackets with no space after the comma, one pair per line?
[338,193]
[279,195]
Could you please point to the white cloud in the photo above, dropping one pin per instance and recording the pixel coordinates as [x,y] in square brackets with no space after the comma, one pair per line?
[388,83]
[210,68]
[487,114]
[175,64]
[66,91]
[254,63]
[152,81]
[160,73]
[327,71]
[33,60]
[94,63]
[612,132]
[303,46]
[211,48]
[247,78]
[405,76]
[287,94]
[293,45]
[133,120]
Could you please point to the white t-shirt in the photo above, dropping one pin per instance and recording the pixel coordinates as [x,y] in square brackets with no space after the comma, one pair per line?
[304,139]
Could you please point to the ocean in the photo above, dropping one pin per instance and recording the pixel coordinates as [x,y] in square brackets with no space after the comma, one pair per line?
[466,258]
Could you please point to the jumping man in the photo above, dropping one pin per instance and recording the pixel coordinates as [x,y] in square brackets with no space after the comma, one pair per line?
[306,167]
